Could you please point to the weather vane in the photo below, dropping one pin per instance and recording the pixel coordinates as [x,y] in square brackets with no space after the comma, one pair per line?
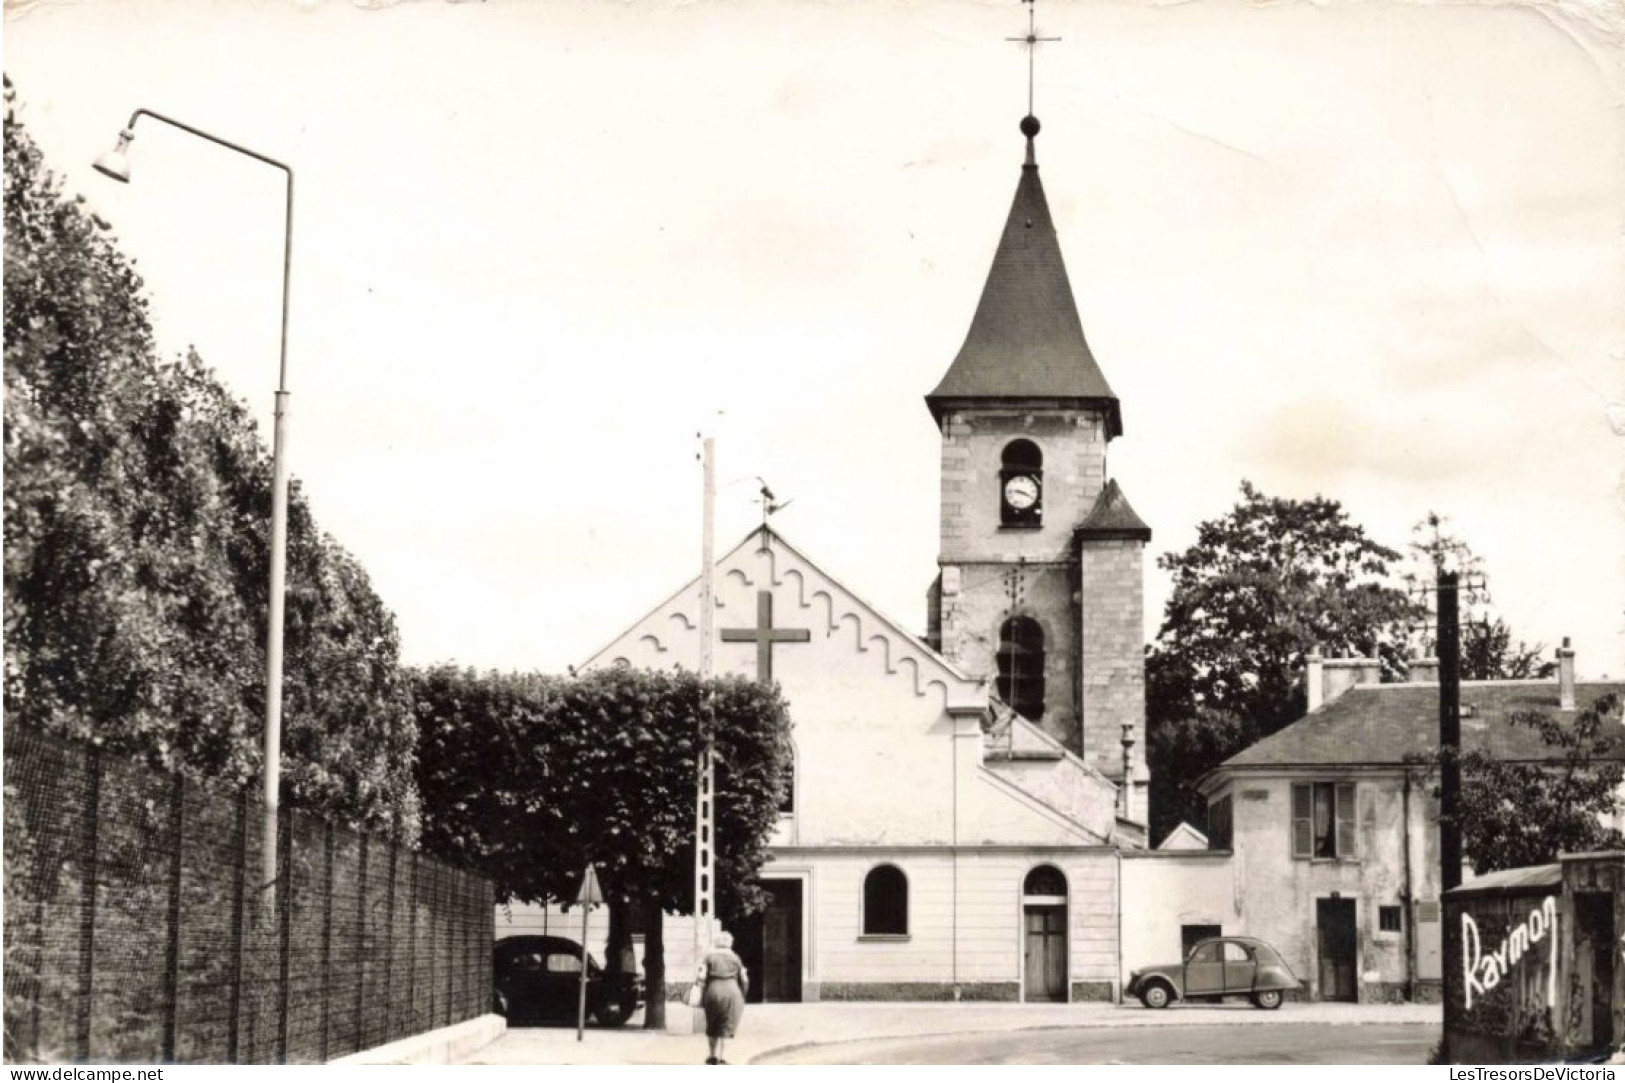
[1031,40]
[771,503]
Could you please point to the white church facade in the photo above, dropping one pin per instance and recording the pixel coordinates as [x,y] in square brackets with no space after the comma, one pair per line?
[921,856]
[960,799]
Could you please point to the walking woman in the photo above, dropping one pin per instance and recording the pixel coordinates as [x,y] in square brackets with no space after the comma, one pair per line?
[724,996]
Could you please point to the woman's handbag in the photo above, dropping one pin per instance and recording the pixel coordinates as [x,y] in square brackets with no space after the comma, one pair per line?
[696,993]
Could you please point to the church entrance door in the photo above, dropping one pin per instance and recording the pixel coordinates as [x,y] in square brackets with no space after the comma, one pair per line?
[769,945]
[1043,925]
[1046,954]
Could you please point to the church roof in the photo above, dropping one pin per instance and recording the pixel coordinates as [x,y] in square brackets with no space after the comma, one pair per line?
[1026,341]
[1112,517]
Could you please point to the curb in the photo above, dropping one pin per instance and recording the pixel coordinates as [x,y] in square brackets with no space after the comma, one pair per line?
[446,1045]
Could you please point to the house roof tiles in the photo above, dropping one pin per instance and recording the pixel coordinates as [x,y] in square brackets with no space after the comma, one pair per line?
[1382,724]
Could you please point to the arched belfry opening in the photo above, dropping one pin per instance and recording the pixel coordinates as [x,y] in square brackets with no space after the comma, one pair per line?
[1021,485]
[1021,667]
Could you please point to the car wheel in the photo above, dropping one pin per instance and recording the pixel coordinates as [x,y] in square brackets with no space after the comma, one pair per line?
[613,1013]
[1156,995]
[1269,1000]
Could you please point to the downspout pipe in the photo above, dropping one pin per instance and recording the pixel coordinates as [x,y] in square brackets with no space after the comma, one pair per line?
[1410,895]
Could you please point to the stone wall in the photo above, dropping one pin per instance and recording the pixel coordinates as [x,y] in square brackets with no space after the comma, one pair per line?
[972,617]
[1112,590]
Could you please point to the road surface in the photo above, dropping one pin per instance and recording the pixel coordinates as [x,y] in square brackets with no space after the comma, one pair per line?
[1283,1043]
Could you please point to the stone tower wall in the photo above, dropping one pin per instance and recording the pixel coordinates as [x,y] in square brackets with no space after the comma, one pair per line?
[979,554]
[1113,652]
[973,441]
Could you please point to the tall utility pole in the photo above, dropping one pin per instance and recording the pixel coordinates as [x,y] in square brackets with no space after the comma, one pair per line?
[1449,636]
[705,812]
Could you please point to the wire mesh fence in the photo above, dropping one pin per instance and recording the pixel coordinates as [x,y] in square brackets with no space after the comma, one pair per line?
[137,928]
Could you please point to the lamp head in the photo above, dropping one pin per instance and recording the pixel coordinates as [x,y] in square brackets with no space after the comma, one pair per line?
[114,164]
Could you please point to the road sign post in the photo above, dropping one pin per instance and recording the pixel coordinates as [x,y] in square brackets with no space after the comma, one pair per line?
[588,897]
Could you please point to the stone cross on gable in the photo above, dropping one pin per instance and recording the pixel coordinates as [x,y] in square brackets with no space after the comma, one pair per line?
[764,635]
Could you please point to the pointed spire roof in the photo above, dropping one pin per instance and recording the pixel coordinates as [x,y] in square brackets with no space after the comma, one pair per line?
[1026,342]
[1113,518]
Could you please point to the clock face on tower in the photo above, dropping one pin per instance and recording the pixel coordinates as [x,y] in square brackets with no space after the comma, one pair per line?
[1021,492]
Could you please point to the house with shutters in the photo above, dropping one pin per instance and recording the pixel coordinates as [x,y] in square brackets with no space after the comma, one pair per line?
[1328,834]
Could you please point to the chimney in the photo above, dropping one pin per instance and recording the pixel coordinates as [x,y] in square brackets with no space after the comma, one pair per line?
[1314,679]
[1565,676]
[1424,671]
[1344,673]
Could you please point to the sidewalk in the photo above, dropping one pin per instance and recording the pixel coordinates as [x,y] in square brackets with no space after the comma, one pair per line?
[776,1027]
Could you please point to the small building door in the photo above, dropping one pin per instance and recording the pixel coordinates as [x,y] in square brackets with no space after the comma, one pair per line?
[1191,935]
[769,945]
[1593,970]
[1334,921]
[1043,905]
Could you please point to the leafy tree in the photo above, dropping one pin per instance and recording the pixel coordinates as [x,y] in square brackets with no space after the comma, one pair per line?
[531,777]
[1263,586]
[1488,651]
[1181,750]
[137,507]
[1514,814]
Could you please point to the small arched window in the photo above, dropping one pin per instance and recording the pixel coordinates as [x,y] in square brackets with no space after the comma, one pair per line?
[885,902]
[1021,484]
[1045,880]
[787,803]
[1021,666]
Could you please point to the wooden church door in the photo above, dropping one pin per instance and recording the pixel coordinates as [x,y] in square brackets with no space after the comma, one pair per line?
[1043,904]
[1046,953]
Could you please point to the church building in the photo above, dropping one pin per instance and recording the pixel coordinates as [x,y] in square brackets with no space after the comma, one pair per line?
[960,800]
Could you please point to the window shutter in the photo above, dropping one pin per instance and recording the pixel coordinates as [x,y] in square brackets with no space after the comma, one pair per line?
[1345,820]
[1302,836]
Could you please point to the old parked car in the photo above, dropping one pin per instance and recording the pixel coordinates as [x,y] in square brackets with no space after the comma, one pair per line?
[1218,967]
[538,979]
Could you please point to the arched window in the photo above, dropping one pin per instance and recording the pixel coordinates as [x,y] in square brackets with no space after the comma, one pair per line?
[1045,880]
[1021,484]
[885,902]
[787,803]
[1021,666]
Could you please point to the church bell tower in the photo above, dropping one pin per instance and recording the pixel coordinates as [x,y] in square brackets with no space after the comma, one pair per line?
[1041,585]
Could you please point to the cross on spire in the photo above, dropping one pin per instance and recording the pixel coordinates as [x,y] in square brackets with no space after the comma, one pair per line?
[1031,40]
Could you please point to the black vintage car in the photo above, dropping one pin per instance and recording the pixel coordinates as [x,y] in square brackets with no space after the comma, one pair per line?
[538,979]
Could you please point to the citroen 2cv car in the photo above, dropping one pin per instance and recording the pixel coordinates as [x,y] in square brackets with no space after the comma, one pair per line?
[1223,966]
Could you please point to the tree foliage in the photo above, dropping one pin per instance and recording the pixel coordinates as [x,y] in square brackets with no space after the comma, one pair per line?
[1514,814]
[1261,588]
[531,777]
[137,507]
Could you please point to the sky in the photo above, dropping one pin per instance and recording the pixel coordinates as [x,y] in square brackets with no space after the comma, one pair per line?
[1373,251]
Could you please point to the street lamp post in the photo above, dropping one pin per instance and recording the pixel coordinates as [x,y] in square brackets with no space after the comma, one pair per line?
[114,164]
